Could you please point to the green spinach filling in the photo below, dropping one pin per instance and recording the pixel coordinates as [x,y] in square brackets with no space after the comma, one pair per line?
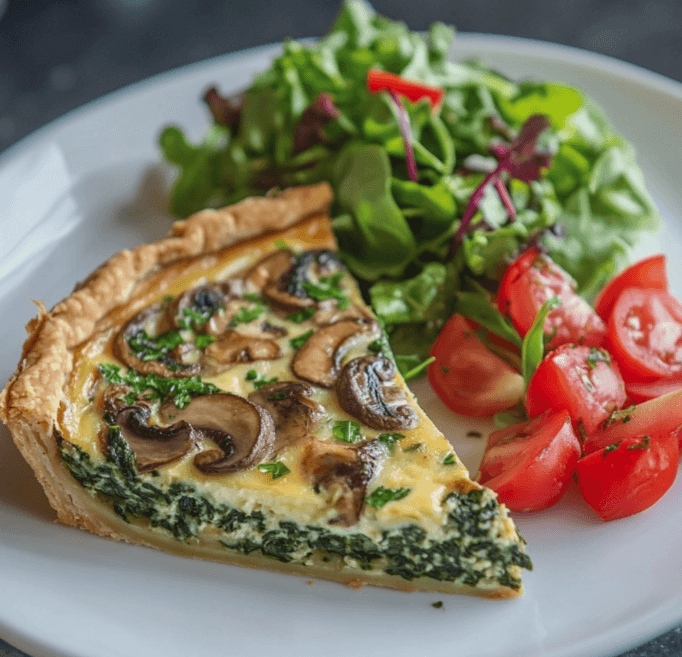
[468,550]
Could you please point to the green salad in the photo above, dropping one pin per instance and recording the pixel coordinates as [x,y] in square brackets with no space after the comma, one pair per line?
[432,197]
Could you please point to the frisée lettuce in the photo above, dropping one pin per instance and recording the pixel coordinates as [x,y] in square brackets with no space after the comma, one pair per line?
[419,221]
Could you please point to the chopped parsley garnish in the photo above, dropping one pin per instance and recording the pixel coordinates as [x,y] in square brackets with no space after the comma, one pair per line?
[437,605]
[281,244]
[611,448]
[147,348]
[449,459]
[277,395]
[390,439]
[347,431]
[302,315]
[413,447]
[246,315]
[644,444]
[258,381]
[180,391]
[298,342]
[328,287]
[382,496]
[195,318]
[203,340]
[275,470]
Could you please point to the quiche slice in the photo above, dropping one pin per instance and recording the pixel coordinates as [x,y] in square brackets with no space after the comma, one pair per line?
[225,394]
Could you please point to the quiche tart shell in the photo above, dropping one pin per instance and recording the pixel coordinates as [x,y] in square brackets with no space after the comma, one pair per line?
[32,403]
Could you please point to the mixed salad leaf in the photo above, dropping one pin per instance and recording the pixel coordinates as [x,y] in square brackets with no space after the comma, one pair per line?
[487,166]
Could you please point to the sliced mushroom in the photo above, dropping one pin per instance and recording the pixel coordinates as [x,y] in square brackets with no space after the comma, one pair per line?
[270,268]
[294,413]
[233,347]
[364,391]
[154,446]
[289,290]
[319,359]
[165,366]
[243,432]
[343,472]
[328,312]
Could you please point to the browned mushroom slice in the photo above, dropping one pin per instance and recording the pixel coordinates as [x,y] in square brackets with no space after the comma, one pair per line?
[289,289]
[138,330]
[328,312]
[343,472]
[270,268]
[232,347]
[294,413]
[319,359]
[364,391]
[243,432]
[153,446]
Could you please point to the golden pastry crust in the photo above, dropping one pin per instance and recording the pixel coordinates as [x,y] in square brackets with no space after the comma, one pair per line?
[30,402]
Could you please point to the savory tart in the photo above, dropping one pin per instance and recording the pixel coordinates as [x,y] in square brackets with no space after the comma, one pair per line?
[224,393]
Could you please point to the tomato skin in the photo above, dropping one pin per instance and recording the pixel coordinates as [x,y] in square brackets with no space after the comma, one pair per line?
[585,381]
[649,273]
[659,416]
[645,334]
[530,465]
[626,479]
[639,391]
[532,279]
[467,377]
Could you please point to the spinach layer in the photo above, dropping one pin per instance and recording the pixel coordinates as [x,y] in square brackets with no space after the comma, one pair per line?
[468,551]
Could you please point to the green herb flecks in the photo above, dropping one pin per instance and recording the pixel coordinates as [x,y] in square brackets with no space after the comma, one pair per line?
[257,380]
[247,315]
[381,496]
[596,356]
[302,315]
[276,469]
[203,340]
[152,387]
[299,341]
[347,431]
[390,439]
[450,459]
[328,287]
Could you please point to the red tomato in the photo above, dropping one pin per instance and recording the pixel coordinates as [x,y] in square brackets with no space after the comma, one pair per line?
[645,334]
[659,416]
[585,381]
[532,279]
[649,273]
[629,476]
[643,391]
[529,465]
[467,377]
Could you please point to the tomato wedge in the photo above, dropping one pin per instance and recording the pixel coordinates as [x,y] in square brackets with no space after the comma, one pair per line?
[585,381]
[467,377]
[532,279]
[628,476]
[650,273]
[529,465]
[643,391]
[659,416]
[645,334]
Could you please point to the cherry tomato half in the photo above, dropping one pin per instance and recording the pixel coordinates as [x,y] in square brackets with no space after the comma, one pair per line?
[585,381]
[645,334]
[649,273]
[532,279]
[659,416]
[628,476]
[529,465]
[467,377]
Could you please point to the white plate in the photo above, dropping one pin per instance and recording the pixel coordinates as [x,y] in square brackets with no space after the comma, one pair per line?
[92,184]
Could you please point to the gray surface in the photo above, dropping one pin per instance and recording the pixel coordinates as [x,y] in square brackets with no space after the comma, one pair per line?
[55,56]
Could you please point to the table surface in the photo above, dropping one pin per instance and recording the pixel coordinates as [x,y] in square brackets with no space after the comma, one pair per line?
[57,56]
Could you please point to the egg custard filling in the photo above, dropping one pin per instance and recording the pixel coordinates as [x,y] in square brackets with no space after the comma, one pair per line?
[242,404]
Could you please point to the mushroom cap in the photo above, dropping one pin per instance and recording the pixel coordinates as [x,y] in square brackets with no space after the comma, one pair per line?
[294,413]
[233,347]
[364,391]
[318,360]
[166,367]
[243,432]
[154,446]
[344,472]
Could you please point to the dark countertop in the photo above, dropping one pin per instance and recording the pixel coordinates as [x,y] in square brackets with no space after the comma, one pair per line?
[57,56]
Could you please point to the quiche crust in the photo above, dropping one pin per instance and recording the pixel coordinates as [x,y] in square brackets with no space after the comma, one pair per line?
[34,408]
